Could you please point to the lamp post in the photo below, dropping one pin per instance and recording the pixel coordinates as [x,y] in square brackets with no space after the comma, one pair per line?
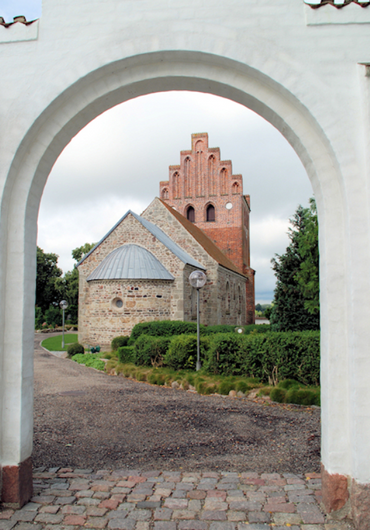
[63,305]
[197,279]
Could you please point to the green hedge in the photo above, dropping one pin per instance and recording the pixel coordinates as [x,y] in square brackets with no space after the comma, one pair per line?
[280,355]
[117,342]
[150,351]
[182,352]
[126,354]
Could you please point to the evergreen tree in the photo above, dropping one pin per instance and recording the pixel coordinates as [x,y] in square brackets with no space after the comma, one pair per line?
[296,296]
[47,280]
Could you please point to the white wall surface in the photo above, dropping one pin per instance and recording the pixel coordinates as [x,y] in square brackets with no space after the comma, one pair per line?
[89,55]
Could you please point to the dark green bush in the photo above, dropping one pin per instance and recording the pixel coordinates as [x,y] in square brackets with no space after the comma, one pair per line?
[273,355]
[257,328]
[182,352]
[302,396]
[150,351]
[242,386]
[126,354]
[288,383]
[117,342]
[163,328]
[75,348]
[219,328]
[225,386]
[278,394]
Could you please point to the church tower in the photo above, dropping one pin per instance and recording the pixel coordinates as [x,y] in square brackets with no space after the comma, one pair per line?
[205,191]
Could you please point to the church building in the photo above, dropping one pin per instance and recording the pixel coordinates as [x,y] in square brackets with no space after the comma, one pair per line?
[139,271]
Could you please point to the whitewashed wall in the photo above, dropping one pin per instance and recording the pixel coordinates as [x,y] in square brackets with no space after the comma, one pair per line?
[303,74]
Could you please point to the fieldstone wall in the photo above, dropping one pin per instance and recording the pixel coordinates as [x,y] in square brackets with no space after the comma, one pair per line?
[142,301]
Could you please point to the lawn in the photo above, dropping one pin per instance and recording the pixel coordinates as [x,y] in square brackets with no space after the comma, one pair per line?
[55,343]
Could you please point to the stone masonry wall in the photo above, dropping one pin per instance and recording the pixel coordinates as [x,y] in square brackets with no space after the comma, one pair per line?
[128,231]
[143,301]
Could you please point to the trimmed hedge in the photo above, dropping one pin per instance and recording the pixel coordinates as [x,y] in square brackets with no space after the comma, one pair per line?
[126,354]
[170,328]
[117,342]
[268,356]
[163,328]
[150,351]
[182,352]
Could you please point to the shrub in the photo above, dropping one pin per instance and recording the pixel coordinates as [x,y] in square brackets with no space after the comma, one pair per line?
[182,352]
[163,328]
[126,354]
[273,355]
[257,328]
[302,396]
[278,394]
[118,342]
[288,383]
[150,351]
[242,386]
[75,348]
[90,360]
[218,328]
[225,386]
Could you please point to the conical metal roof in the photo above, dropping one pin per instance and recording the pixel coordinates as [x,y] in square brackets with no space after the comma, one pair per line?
[130,262]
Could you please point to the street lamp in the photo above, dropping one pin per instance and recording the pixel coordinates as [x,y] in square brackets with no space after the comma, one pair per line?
[63,305]
[198,280]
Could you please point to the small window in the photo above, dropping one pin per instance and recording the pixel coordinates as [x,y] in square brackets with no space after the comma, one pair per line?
[117,303]
[190,214]
[211,217]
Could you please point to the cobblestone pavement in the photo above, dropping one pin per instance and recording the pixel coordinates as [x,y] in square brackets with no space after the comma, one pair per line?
[67,499]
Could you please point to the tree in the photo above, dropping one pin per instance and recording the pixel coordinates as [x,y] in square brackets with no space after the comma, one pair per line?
[78,252]
[296,296]
[47,280]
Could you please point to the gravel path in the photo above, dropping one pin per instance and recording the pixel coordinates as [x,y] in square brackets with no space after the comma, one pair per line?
[88,419]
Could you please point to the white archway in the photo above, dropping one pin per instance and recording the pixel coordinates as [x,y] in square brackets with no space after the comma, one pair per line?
[64,117]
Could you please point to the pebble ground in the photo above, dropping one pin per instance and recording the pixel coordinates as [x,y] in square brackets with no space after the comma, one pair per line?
[73,499]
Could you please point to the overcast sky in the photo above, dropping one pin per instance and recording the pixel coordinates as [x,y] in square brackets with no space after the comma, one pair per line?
[116,162]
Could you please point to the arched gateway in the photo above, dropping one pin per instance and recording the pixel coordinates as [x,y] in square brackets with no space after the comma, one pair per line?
[302,68]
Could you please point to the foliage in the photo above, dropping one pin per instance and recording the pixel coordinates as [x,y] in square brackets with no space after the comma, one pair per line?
[150,351]
[39,318]
[53,316]
[126,354]
[182,351]
[162,328]
[278,394]
[55,343]
[292,270]
[269,356]
[75,348]
[308,275]
[218,328]
[117,342]
[47,275]
[297,395]
[89,359]
[79,252]
[287,383]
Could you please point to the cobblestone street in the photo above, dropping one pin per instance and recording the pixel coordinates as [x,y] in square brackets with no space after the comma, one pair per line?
[67,499]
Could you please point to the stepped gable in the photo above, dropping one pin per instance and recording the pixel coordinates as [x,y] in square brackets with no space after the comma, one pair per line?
[203,240]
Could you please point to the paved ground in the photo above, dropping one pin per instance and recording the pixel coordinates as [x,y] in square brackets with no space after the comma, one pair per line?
[156,498]
[67,499]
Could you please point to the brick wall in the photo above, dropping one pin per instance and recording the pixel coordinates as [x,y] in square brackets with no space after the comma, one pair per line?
[202,180]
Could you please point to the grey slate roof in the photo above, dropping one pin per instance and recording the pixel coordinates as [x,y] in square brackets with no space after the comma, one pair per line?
[161,236]
[130,262]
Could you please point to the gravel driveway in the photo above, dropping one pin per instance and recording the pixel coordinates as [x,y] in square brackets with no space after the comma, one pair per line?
[87,419]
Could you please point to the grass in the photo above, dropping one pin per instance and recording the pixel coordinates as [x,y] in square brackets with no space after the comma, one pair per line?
[55,343]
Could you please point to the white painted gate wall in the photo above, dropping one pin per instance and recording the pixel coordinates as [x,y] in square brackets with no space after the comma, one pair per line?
[301,69]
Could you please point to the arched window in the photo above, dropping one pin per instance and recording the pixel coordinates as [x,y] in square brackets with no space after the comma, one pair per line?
[235,188]
[199,177]
[187,173]
[190,214]
[211,216]
[165,193]
[223,181]
[227,298]
[239,300]
[212,175]
[193,304]
[176,185]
